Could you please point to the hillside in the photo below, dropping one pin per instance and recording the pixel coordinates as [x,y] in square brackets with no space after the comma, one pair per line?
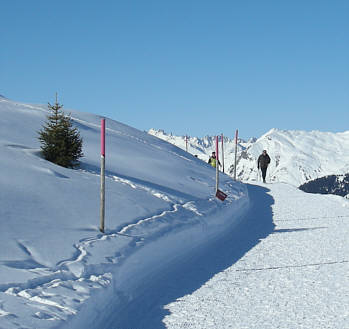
[55,265]
[168,240]
[297,156]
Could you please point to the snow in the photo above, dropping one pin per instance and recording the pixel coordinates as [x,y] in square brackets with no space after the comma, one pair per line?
[297,156]
[173,255]
[296,277]
[55,264]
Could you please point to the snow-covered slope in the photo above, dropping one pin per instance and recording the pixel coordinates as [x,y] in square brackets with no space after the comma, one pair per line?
[166,237]
[56,269]
[297,156]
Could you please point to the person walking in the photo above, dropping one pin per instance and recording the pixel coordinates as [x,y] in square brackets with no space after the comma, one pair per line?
[213,160]
[263,163]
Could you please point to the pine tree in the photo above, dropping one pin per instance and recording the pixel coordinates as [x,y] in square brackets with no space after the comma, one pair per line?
[60,141]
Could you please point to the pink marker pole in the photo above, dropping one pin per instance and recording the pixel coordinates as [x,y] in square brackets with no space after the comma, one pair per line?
[217,165]
[103,137]
[236,149]
[222,152]
[102,209]
[217,149]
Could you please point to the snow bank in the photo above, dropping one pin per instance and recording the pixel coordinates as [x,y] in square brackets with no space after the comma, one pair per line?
[56,269]
[129,280]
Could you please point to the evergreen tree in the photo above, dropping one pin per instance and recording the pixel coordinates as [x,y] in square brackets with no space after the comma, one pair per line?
[60,141]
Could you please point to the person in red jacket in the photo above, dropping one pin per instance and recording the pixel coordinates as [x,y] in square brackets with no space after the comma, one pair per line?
[263,163]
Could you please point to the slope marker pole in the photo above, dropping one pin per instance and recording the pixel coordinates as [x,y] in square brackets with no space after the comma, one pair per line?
[222,153]
[102,208]
[236,149]
[217,165]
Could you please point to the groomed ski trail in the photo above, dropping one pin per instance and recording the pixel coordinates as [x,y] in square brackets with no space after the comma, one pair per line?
[296,277]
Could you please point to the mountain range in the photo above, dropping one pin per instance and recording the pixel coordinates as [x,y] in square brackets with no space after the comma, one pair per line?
[297,156]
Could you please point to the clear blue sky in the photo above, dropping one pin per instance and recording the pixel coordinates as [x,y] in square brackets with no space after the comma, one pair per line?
[188,67]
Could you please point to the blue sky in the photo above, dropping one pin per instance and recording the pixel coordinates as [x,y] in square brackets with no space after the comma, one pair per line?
[188,67]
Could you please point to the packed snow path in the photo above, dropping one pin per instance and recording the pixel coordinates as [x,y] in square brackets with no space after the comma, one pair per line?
[285,267]
[295,278]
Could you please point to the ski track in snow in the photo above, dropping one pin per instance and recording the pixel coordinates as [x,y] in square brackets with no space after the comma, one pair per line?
[245,295]
[56,292]
[293,275]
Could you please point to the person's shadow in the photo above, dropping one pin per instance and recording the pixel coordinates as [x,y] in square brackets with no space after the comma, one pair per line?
[147,311]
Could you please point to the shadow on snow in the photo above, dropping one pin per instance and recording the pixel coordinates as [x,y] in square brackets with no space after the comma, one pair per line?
[147,310]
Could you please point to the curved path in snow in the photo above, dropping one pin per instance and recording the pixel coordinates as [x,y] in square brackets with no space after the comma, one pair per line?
[295,278]
[285,266]
[186,275]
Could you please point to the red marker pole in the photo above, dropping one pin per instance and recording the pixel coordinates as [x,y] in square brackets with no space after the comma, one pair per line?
[186,143]
[236,149]
[217,165]
[102,209]
[222,153]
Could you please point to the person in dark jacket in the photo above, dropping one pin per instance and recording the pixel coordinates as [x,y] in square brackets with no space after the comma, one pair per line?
[263,163]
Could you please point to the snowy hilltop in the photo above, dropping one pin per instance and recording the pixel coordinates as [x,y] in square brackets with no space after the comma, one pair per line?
[55,265]
[297,156]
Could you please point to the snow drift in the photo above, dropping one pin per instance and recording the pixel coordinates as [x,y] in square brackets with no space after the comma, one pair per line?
[55,264]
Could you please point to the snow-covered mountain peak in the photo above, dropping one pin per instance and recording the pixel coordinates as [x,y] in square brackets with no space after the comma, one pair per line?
[297,156]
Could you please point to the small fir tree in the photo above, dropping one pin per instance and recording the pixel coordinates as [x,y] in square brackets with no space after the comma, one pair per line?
[60,141]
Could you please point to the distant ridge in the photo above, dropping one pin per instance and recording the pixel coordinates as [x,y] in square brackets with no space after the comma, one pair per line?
[297,156]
